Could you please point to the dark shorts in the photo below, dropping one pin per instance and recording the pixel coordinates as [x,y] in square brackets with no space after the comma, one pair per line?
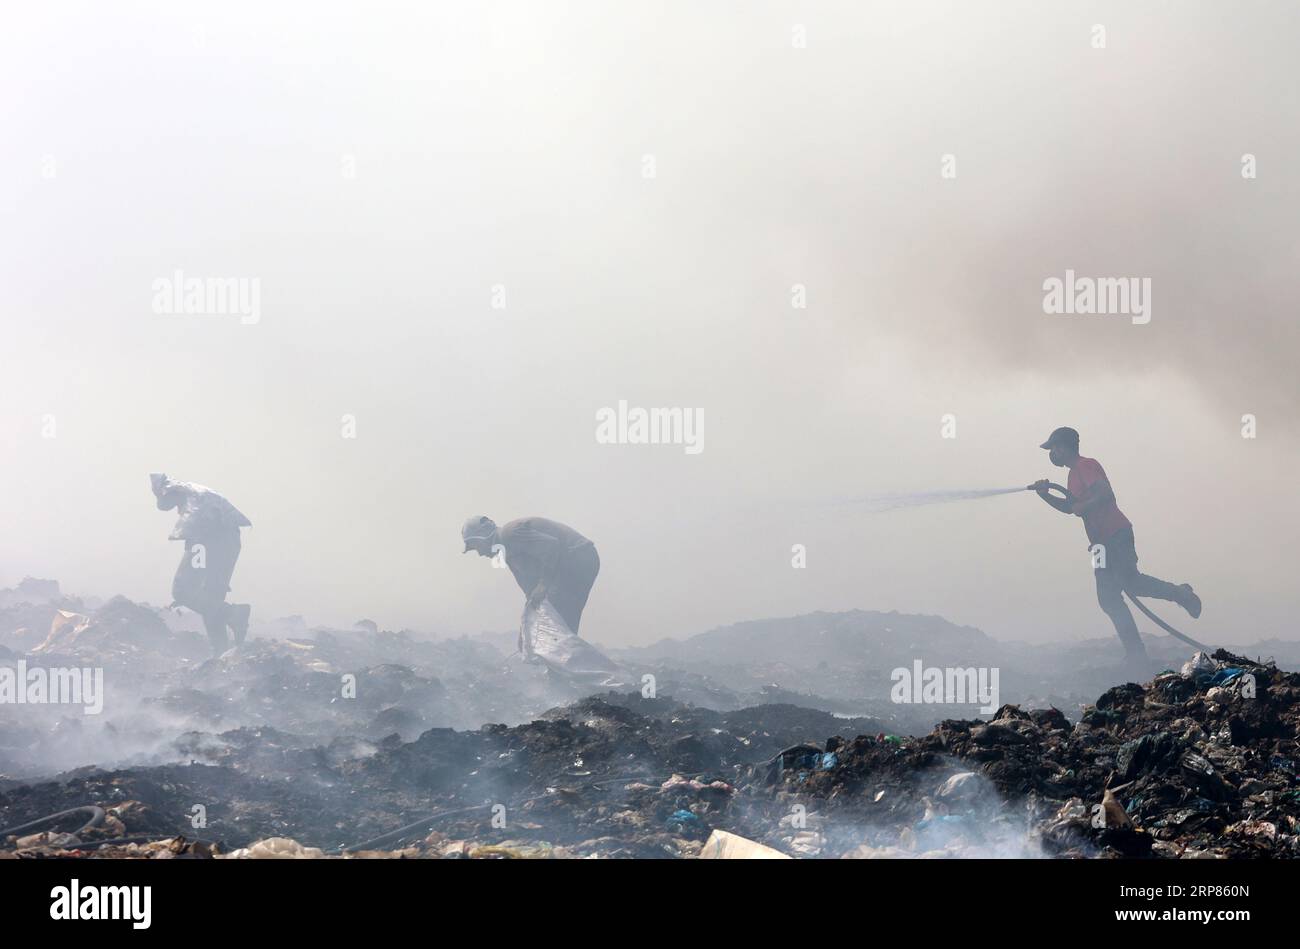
[572,583]
[1121,552]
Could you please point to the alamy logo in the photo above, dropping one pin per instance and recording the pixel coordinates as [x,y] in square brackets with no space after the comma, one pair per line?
[179,295]
[103,902]
[636,426]
[945,686]
[1102,295]
[56,686]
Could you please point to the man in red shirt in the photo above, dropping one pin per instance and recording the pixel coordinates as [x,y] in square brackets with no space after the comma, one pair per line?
[1110,539]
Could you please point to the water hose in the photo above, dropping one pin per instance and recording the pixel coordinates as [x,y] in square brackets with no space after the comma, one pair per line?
[1053,486]
[1065,494]
[408,829]
[1163,625]
[96,818]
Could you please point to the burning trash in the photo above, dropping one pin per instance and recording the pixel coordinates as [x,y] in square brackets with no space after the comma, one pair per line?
[1195,762]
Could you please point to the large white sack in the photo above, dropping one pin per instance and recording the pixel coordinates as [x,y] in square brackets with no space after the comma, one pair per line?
[546,636]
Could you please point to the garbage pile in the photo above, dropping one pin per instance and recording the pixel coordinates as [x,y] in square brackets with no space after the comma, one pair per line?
[1199,762]
[119,631]
[614,776]
[27,612]
[368,741]
[159,680]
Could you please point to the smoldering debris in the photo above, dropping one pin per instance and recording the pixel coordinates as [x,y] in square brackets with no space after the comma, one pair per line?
[1200,763]
[161,681]
[370,742]
[630,771]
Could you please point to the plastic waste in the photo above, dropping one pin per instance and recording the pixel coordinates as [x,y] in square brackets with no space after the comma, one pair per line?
[541,851]
[1198,666]
[962,784]
[544,635]
[1116,816]
[65,629]
[724,846]
[1225,675]
[276,848]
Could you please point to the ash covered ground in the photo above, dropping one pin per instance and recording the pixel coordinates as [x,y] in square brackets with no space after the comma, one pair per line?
[308,742]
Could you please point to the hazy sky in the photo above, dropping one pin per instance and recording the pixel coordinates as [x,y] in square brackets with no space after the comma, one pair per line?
[380,168]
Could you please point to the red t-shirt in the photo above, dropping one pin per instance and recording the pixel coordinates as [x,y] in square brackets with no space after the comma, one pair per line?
[1104,519]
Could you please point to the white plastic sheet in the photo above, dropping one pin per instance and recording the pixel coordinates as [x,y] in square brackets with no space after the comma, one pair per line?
[544,635]
[724,846]
[1199,664]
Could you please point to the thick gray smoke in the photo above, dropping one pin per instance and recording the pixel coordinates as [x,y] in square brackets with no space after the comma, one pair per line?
[823,248]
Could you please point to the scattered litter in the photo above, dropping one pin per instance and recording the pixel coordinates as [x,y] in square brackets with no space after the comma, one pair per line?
[276,848]
[722,845]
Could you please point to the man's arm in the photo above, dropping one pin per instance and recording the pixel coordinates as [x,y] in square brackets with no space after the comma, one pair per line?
[1061,504]
[546,549]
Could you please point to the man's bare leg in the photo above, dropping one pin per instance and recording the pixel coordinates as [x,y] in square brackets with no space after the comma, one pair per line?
[214,621]
[237,619]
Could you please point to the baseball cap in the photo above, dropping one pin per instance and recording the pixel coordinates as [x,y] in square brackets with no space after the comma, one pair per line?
[1062,436]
